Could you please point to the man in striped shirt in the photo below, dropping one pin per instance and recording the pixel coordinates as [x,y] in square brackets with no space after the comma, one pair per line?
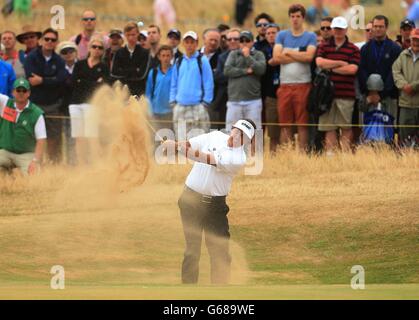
[342,58]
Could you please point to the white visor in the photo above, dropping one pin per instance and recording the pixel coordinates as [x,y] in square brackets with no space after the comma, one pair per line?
[246,127]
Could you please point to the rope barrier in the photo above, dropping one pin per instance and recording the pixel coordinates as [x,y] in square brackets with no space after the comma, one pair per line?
[271,124]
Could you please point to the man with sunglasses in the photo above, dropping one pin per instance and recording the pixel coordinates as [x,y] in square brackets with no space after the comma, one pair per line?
[45,71]
[262,21]
[22,130]
[219,105]
[244,69]
[30,39]
[88,21]
[326,29]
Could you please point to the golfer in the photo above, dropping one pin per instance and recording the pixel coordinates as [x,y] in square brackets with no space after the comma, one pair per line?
[218,158]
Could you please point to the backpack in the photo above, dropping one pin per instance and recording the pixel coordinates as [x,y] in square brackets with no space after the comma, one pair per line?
[199,59]
[322,94]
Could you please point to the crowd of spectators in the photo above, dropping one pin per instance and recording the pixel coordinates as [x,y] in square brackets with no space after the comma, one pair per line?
[213,80]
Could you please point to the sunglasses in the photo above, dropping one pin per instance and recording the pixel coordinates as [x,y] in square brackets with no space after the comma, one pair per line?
[67,51]
[89,19]
[233,39]
[97,47]
[263,25]
[245,40]
[21,90]
[47,39]
[326,28]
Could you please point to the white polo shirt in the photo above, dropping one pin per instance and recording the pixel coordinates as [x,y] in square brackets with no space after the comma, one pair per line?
[215,180]
[40,128]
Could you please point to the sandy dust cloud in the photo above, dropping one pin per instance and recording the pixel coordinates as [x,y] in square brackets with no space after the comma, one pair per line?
[113,221]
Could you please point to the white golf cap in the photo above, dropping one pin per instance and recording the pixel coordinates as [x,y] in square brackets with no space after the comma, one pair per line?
[246,127]
[339,22]
[144,33]
[190,34]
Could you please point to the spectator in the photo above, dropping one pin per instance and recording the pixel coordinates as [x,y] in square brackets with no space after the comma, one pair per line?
[223,28]
[406,76]
[10,54]
[22,130]
[378,56]
[211,48]
[143,39]
[326,29]
[88,21]
[154,36]
[261,22]
[375,85]
[413,11]
[132,62]
[116,41]
[173,40]
[270,85]
[68,52]
[406,27]
[295,50]
[30,39]
[7,77]
[244,9]
[192,89]
[244,69]
[219,105]
[316,13]
[46,73]
[158,89]
[164,12]
[88,76]
[369,35]
[342,58]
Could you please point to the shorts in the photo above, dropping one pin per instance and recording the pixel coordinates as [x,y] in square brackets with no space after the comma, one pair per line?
[339,116]
[84,122]
[190,121]
[9,160]
[53,125]
[292,103]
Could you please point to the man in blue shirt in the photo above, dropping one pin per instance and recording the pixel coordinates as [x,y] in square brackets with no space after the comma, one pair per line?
[192,90]
[7,77]
[316,12]
[413,11]
[158,89]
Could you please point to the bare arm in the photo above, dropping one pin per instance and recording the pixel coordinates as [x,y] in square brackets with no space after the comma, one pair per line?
[328,64]
[302,56]
[39,150]
[279,57]
[349,70]
[185,148]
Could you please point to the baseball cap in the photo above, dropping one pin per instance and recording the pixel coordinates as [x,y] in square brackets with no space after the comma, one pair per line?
[144,33]
[115,32]
[246,127]
[407,23]
[339,22]
[175,32]
[21,83]
[66,45]
[414,34]
[191,34]
[246,34]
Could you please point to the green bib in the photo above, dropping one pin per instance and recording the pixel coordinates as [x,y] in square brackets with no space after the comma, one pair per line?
[19,137]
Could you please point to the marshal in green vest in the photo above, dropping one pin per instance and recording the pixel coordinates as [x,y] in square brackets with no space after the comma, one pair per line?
[20,137]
